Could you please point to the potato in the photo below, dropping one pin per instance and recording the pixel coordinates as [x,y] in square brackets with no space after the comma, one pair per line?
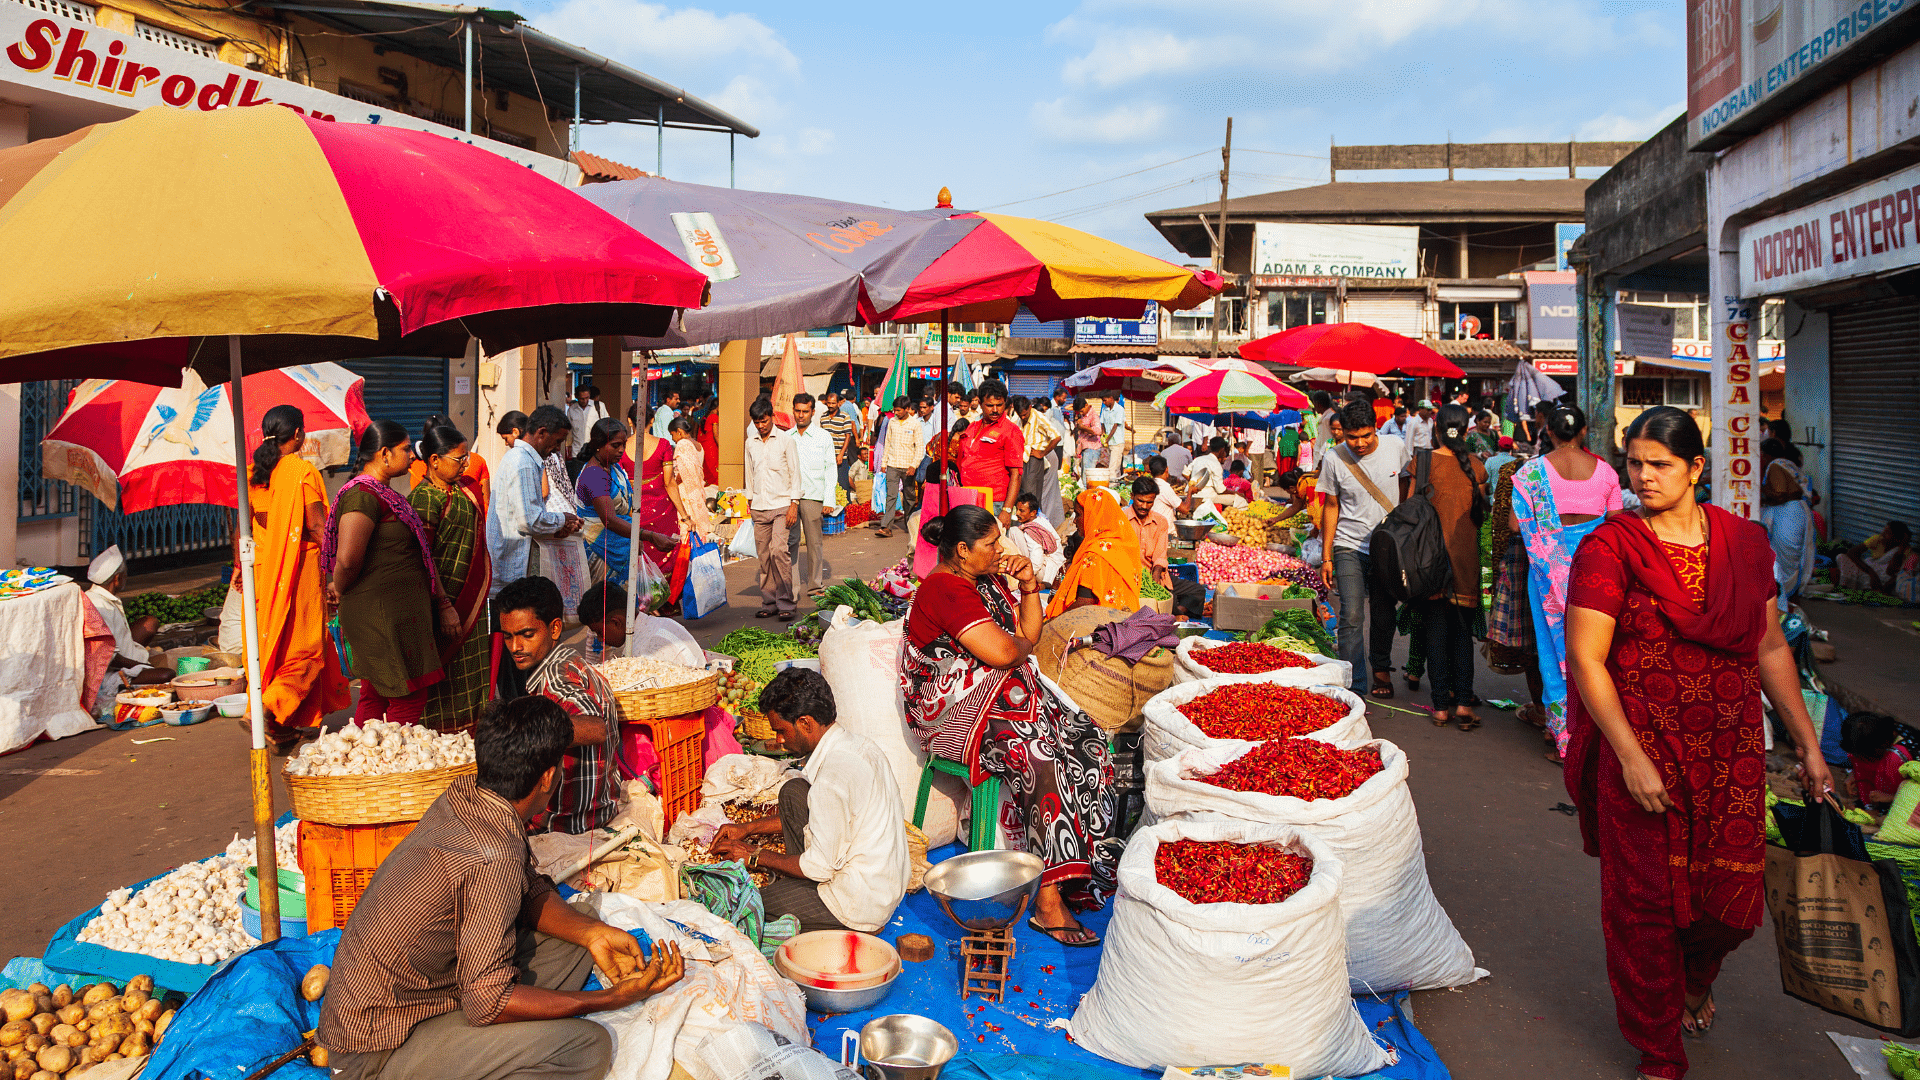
[56,1059]
[98,992]
[44,1022]
[142,983]
[23,1068]
[72,1014]
[315,982]
[84,1024]
[144,1027]
[37,989]
[105,1044]
[151,1010]
[62,996]
[100,1010]
[35,1042]
[318,1055]
[14,1032]
[61,1032]
[133,999]
[44,1075]
[16,1004]
[43,1003]
[135,1045]
[119,1023]
[160,1025]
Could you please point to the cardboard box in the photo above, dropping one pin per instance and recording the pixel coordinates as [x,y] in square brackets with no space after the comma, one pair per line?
[1164,605]
[1248,606]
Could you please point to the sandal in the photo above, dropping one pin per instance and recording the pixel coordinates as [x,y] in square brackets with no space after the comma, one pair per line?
[1468,720]
[1382,686]
[1413,682]
[1531,713]
[883,534]
[1701,1024]
[1441,718]
[1082,938]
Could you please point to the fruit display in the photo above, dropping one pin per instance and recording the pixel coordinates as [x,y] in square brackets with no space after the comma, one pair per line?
[380,748]
[1247,527]
[187,607]
[1248,658]
[1259,711]
[755,652]
[1223,872]
[736,688]
[60,1031]
[642,673]
[192,915]
[1301,768]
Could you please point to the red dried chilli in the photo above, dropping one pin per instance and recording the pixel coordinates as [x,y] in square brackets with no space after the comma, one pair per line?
[1261,711]
[1248,658]
[1223,872]
[1302,768]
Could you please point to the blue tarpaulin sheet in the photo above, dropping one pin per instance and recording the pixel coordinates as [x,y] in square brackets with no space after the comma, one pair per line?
[1046,984]
[247,1014]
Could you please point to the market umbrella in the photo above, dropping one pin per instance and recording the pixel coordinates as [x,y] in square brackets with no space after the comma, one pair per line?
[1351,347]
[1329,379]
[1135,379]
[144,246]
[1230,389]
[898,381]
[137,446]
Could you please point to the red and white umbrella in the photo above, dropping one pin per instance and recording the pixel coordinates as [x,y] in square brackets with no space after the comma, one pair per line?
[137,446]
[1134,379]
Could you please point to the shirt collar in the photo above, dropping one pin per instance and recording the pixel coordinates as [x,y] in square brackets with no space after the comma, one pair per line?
[549,668]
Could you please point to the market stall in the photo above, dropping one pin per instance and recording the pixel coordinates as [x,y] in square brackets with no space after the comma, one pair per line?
[51,642]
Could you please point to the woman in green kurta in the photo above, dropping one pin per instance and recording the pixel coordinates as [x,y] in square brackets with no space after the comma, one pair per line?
[378,558]
[449,504]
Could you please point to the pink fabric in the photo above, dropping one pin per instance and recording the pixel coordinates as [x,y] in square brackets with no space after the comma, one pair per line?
[1597,495]
[637,752]
[101,650]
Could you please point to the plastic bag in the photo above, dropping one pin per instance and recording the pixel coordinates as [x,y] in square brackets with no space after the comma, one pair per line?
[706,589]
[652,583]
[743,543]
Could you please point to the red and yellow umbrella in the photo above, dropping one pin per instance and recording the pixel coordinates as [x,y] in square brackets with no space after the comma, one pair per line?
[136,243]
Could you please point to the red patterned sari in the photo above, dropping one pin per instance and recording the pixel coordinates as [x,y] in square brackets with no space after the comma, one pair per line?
[1679,890]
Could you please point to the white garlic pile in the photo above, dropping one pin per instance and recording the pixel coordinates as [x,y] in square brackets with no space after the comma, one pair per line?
[192,915]
[642,673]
[379,748]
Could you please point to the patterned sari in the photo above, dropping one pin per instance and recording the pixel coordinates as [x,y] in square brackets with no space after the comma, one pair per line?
[1011,724]
[454,526]
[1550,550]
[563,562]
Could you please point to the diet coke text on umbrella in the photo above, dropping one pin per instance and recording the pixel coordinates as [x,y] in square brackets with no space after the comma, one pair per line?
[41,45]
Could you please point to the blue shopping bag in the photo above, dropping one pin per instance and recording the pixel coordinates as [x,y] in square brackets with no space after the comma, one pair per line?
[706,588]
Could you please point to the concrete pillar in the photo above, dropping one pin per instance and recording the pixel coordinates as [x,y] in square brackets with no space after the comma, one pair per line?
[1735,401]
[739,385]
[1461,255]
[462,393]
[613,374]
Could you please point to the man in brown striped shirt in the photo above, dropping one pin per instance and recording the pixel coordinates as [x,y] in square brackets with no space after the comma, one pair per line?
[461,962]
[586,791]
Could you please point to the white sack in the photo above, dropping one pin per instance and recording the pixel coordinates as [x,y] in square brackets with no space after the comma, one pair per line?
[1168,731]
[665,640]
[861,662]
[1398,935]
[1325,671]
[1198,984]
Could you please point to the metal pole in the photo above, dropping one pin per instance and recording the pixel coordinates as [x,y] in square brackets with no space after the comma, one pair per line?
[945,422]
[730,160]
[1220,236]
[633,543]
[469,80]
[660,141]
[576,108]
[264,855]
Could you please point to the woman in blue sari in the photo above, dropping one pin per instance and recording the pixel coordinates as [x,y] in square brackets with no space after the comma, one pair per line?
[1558,499]
[1786,509]
[605,488]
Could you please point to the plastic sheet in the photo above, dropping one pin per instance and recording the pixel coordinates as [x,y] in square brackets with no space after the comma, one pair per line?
[248,1013]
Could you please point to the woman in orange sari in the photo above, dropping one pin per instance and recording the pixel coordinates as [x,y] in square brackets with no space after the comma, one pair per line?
[1106,568]
[301,680]
[452,507]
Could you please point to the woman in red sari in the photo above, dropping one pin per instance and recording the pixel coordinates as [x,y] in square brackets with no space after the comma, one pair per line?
[1671,636]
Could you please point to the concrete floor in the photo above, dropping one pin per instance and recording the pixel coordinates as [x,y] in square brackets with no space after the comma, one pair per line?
[90,813]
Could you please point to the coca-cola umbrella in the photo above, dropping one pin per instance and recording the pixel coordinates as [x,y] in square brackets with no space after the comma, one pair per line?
[1351,347]
[250,239]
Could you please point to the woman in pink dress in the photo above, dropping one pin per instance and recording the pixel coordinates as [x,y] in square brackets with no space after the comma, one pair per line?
[689,491]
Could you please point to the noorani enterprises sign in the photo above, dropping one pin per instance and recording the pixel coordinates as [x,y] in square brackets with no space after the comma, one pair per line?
[1869,230]
[1297,249]
[81,60]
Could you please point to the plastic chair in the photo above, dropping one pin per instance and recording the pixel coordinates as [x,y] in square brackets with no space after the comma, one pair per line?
[986,802]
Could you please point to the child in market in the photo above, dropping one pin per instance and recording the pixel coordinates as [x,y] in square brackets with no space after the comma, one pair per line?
[1237,483]
[1872,741]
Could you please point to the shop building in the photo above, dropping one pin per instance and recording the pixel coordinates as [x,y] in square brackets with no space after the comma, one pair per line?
[482,76]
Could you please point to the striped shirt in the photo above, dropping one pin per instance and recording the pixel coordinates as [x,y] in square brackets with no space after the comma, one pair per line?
[839,425]
[437,927]
[584,798]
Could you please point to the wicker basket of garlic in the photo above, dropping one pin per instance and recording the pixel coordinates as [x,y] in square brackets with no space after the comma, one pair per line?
[649,689]
[382,772]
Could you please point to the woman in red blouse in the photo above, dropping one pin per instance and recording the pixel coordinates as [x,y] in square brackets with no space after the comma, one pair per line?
[1671,636]
[974,695]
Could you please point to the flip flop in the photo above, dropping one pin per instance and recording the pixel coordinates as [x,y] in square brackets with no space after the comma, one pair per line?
[1440,717]
[1467,722]
[1381,691]
[1702,1025]
[1088,941]
[764,613]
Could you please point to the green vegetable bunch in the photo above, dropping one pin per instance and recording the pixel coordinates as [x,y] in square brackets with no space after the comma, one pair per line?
[1151,589]
[861,597]
[1299,624]
[755,652]
[1903,1062]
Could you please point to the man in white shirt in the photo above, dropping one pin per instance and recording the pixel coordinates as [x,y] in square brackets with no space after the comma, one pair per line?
[517,514]
[669,408]
[582,412]
[1207,476]
[1167,503]
[108,574]
[1113,426]
[773,497]
[1396,425]
[846,864]
[1178,456]
[900,455]
[1420,427]
[819,471]
[1352,511]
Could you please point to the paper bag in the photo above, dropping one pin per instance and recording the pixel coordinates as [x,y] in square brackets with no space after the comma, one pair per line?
[1843,930]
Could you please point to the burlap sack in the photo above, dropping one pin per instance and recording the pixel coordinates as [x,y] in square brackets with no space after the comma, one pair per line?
[1110,690]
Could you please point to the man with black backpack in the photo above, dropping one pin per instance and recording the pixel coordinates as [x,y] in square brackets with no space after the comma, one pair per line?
[1363,480]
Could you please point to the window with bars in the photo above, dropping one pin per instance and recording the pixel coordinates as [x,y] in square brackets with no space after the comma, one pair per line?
[41,404]
[63,8]
[148,32]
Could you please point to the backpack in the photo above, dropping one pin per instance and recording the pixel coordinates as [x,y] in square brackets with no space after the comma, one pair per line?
[1410,559]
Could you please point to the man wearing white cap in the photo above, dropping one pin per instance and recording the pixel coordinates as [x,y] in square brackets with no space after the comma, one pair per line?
[108,573]
[1420,427]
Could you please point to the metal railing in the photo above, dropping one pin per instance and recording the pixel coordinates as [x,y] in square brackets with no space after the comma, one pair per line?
[41,498]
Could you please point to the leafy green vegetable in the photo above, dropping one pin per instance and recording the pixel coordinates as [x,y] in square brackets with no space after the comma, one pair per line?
[188,607]
[1298,623]
[755,652]
[1151,589]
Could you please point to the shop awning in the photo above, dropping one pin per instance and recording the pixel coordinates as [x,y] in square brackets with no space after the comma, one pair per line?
[512,55]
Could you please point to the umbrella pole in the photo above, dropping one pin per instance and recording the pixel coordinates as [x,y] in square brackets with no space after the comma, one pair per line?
[633,542]
[264,854]
[945,422]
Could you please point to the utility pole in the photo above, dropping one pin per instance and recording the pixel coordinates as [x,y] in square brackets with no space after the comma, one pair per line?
[1220,236]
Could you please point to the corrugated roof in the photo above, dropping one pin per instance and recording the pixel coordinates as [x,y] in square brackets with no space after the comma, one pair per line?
[599,169]
[1444,200]
[1476,348]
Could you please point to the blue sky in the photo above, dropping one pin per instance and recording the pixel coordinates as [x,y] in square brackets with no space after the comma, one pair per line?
[1003,102]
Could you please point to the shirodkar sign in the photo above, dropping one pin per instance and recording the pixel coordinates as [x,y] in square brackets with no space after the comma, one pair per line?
[1869,230]
[77,59]
[1311,250]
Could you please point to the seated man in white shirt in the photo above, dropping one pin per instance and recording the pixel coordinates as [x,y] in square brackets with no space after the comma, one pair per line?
[130,663]
[846,863]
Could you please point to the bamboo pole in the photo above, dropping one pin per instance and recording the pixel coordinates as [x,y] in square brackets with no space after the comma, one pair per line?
[265,857]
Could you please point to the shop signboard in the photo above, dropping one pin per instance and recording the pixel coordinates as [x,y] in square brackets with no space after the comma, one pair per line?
[1552,310]
[1741,54]
[1336,251]
[1569,366]
[1869,230]
[48,52]
[1645,329]
[1564,234]
[958,343]
[1144,330]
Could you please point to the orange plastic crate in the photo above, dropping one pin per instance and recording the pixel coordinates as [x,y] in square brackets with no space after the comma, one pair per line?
[681,743]
[339,861]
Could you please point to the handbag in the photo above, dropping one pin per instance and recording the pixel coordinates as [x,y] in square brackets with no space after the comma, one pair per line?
[705,591]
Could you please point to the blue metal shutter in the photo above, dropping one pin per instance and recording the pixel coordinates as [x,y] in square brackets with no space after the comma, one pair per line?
[404,389]
[1033,386]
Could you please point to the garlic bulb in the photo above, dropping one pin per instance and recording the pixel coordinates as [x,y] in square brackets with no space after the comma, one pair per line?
[192,915]
[380,748]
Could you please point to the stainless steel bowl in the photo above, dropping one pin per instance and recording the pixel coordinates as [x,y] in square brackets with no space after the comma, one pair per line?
[903,1046]
[1192,531]
[985,890]
[821,1000]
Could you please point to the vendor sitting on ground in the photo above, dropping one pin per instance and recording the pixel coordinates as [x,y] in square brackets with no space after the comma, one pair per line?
[1035,537]
[460,961]
[129,666]
[530,613]
[846,864]
[974,695]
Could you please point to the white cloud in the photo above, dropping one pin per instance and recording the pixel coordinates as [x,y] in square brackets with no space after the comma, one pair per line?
[678,42]
[1122,56]
[1613,127]
[1063,120]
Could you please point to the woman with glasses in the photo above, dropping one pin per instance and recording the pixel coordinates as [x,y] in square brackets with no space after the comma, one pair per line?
[451,505]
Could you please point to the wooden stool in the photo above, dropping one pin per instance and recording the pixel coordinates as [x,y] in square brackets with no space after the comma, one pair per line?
[986,801]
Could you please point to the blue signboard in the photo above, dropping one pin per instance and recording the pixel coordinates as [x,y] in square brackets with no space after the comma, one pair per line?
[1144,330]
[1564,234]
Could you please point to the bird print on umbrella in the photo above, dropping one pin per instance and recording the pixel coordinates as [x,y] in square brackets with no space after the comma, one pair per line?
[178,427]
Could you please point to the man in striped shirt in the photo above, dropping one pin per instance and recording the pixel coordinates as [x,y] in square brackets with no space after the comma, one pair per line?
[834,421]
[460,961]
[530,612]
